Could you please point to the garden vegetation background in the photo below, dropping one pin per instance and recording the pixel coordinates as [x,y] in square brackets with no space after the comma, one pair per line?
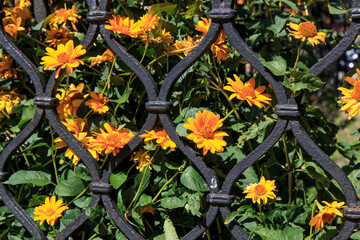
[221,107]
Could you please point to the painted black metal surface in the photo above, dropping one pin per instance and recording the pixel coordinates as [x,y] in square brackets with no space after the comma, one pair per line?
[158,106]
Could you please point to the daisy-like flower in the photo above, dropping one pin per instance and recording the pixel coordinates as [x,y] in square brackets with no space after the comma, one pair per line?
[70,100]
[124,25]
[326,215]
[161,137]
[97,102]
[111,140]
[63,15]
[162,36]
[261,191]
[306,30]
[143,159]
[21,10]
[50,211]
[351,97]
[6,69]
[64,57]
[7,101]
[203,26]
[148,22]
[108,55]
[247,92]
[185,46]
[56,36]
[13,25]
[204,132]
[219,49]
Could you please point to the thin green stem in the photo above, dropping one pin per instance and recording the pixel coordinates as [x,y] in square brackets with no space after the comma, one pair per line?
[109,76]
[232,110]
[163,187]
[56,237]
[261,215]
[33,39]
[290,175]
[53,155]
[138,190]
[78,196]
[297,57]
[312,216]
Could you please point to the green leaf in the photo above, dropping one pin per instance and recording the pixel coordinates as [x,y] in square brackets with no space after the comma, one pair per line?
[193,203]
[172,202]
[136,214]
[69,217]
[191,179]
[277,66]
[38,178]
[170,231]
[142,180]
[231,217]
[303,80]
[250,177]
[288,233]
[82,172]
[119,235]
[69,185]
[336,9]
[290,4]
[280,21]
[117,179]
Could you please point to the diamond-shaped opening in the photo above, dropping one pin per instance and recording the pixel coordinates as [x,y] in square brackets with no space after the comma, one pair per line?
[297,189]
[150,200]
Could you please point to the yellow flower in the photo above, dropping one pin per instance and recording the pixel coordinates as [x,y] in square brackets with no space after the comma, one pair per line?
[162,36]
[351,97]
[148,22]
[111,140]
[108,55]
[50,211]
[7,101]
[56,36]
[203,26]
[63,15]
[326,215]
[248,92]
[97,103]
[12,25]
[204,133]
[124,25]
[306,30]
[65,56]
[21,10]
[261,191]
[161,138]
[70,100]
[185,46]
[143,159]
[6,69]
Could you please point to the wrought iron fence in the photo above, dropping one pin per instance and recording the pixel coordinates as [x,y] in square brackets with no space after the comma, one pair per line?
[222,16]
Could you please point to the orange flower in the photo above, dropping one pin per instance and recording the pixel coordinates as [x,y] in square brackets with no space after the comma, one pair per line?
[97,103]
[162,37]
[161,138]
[108,55]
[219,49]
[50,211]
[203,26]
[21,10]
[63,15]
[56,36]
[248,92]
[143,159]
[204,133]
[326,215]
[148,22]
[124,25]
[70,100]
[6,69]
[111,140]
[65,56]
[185,46]
[351,96]
[7,101]
[12,25]
[307,30]
[261,191]
[75,125]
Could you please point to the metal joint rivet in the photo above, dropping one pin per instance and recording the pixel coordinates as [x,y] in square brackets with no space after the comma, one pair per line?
[46,102]
[354,13]
[219,199]
[352,213]
[97,16]
[221,14]
[158,106]
[4,176]
[99,187]
[287,111]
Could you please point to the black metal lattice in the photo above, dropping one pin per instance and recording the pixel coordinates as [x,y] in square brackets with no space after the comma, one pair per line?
[222,16]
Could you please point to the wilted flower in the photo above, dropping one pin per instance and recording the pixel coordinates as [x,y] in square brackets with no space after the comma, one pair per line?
[108,55]
[326,215]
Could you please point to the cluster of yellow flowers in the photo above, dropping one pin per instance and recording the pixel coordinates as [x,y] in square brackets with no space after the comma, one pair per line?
[7,101]
[15,17]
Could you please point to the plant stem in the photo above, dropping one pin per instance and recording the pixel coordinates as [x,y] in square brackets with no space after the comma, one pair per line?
[138,190]
[297,57]
[261,215]
[312,216]
[53,155]
[290,183]
[109,75]
[78,196]
[33,39]
[167,183]
[55,233]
